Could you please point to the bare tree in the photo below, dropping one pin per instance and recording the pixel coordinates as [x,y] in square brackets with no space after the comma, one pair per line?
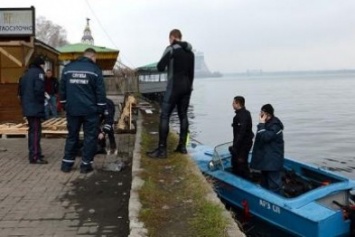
[50,33]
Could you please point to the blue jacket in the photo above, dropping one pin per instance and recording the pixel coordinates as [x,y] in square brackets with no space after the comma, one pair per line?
[31,91]
[82,89]
[268,150]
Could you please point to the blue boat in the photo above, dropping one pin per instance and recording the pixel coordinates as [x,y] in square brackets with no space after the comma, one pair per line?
[315,202]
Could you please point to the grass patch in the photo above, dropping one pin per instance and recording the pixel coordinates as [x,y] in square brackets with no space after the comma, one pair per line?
[174,194]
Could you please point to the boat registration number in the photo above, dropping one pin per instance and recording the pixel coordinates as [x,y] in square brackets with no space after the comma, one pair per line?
[270,206]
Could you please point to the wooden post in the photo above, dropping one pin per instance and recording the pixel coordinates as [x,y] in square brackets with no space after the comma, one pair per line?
[130,116]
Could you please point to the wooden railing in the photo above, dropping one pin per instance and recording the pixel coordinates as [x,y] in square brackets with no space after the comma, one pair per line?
[121,82]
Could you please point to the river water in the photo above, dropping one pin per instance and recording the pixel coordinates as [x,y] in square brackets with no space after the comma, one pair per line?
[317,110]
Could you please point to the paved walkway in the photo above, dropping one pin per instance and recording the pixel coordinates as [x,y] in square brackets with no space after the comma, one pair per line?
[40,200]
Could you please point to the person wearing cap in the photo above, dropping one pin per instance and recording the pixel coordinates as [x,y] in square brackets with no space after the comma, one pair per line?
[268,150]
[31,93]
[83,95]
[242,138]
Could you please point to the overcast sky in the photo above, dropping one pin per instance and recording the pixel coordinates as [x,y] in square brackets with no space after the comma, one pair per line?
[234,35]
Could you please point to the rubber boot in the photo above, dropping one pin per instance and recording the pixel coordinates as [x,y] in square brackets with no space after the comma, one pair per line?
[159,153]
[181,149]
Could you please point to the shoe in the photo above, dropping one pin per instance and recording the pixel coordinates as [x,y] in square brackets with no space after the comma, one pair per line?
[65,169]
[38,162]
[85,170]
[181,149]
[159,153]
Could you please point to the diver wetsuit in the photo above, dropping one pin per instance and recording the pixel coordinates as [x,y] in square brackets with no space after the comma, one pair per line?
[179,59]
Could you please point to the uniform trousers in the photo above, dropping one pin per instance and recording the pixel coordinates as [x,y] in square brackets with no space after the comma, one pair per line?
[90,123]
[34,138]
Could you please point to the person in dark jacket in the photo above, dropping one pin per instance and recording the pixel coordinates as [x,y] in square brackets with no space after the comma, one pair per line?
[179,59]
[83,95]
[268,150]
[51,87]
[242,138]
[107,128]
[31,93]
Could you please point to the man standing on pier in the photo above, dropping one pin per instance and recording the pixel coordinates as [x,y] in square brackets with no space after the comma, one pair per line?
[83,95]
[179,59]
[31,92]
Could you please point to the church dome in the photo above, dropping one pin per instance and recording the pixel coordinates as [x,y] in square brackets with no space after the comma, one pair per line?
[87,37]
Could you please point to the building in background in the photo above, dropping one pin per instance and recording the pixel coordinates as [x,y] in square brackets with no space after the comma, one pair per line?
[201,69]
[106,58]
[87,37]
[18,46]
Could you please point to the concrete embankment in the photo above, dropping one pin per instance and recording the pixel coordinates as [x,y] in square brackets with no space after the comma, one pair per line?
[137,227]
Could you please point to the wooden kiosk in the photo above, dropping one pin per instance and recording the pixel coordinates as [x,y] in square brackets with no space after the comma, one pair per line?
[18,46]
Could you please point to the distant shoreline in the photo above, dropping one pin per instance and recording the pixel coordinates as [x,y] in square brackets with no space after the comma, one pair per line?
[292,73]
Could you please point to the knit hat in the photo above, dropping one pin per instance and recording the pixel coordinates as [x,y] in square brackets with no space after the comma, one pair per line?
[38,61]
[268,109]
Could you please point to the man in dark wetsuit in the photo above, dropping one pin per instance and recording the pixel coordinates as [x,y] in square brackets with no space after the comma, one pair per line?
[83,95]
[179,59]
[242,138]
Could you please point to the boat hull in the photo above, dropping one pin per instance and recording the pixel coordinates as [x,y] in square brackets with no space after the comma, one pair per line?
[310,214]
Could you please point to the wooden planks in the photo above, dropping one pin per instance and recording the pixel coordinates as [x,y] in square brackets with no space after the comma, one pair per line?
[11,128]
[54,126]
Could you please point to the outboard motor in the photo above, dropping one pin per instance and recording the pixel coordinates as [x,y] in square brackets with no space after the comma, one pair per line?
[349,214]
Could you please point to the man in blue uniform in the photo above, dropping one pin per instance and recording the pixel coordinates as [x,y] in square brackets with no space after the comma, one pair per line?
[83,95]
[106,128]
[268,150]
[31,92]
[179,59]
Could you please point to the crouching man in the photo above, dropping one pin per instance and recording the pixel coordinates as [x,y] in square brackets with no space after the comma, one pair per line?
[107,129]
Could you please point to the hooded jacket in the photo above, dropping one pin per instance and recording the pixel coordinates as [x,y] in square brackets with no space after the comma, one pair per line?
[179,59]
[268,150]
[31,92]
[82,89]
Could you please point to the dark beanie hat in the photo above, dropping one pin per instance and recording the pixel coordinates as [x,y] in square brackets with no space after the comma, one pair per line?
[38,61]
[268,109]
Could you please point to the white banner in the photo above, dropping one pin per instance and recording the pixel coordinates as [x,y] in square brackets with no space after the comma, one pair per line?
[16,22]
